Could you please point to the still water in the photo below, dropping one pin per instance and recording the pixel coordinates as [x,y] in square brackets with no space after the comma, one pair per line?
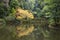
[28,31]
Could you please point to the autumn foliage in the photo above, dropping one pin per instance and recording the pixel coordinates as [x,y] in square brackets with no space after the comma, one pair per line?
[20,14]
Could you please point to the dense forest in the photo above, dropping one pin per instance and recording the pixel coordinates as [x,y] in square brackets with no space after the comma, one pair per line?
[30,19]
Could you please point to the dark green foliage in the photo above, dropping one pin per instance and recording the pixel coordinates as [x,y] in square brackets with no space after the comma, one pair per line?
[3,10]
[51,10]
[13,3]
[48,11]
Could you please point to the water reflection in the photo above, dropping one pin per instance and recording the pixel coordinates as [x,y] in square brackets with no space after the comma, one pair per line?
[23,30]
[28,32]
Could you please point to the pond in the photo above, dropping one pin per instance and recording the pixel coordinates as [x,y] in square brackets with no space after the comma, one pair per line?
[28,31]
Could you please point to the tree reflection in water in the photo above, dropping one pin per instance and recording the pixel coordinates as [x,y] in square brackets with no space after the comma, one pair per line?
[28,32]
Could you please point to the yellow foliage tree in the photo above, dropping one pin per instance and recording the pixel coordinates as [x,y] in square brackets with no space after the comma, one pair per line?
[20,14]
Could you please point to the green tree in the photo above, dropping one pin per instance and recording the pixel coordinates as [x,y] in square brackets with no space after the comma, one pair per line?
[3,10]
[51,12]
